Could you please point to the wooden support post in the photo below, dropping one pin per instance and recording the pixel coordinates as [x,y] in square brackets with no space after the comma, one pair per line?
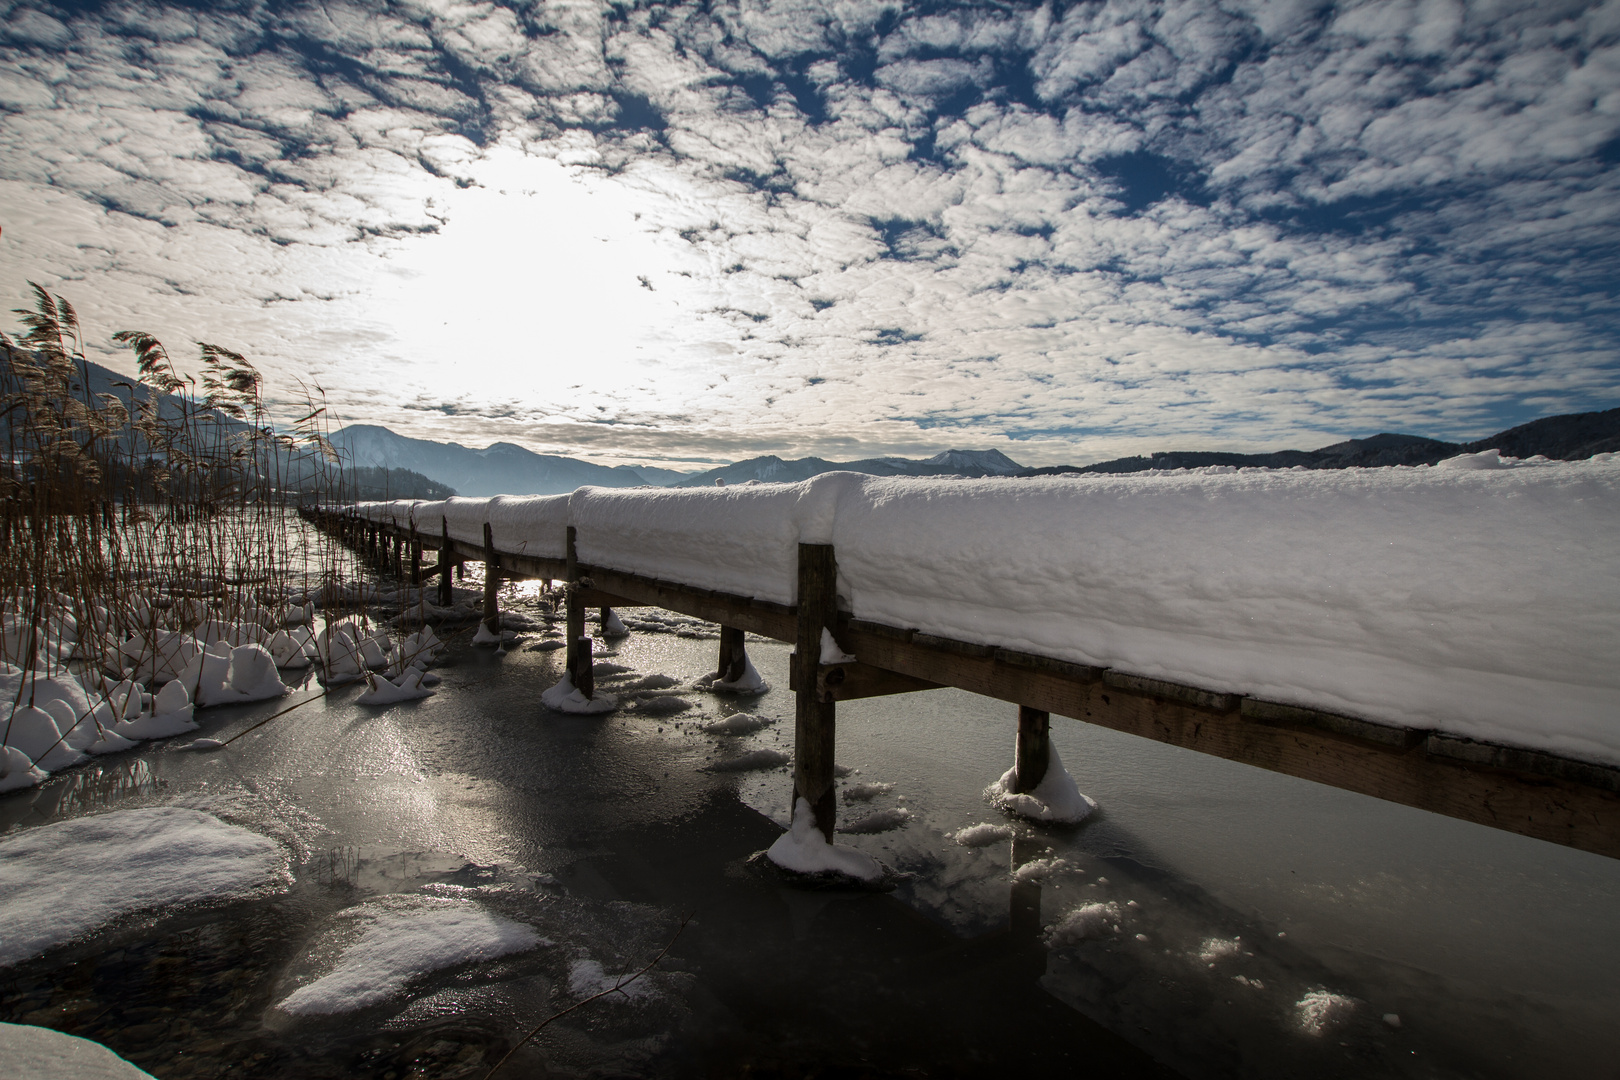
[416,560]
[583,671]
[492,583]
[733,657]
[814,719]
[1034,748]
[575,612]
[446,555]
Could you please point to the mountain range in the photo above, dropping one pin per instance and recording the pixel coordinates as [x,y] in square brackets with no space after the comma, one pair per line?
[510,469]
[505,468]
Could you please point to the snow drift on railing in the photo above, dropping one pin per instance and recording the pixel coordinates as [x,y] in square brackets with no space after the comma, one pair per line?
[1480,597]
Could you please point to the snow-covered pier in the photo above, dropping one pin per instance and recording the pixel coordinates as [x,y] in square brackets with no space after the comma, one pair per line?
[1439,637]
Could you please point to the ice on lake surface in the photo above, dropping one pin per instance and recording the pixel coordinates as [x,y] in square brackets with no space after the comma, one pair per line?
[1209,919]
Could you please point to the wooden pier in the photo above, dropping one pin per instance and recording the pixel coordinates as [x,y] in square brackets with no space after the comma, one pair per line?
[1537,794]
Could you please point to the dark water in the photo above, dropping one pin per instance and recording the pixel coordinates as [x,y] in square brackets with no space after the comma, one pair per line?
[1239,895]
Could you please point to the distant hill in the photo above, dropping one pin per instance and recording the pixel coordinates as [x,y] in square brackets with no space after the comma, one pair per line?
[1570,437]
[772,469]
[498,469]
[369,482]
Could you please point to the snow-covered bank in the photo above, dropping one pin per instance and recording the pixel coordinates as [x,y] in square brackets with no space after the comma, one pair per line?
[37,1053]
[1479,597]
[61,881]
[141,673]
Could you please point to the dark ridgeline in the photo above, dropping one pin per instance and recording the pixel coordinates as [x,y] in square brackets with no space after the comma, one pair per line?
[1572,437]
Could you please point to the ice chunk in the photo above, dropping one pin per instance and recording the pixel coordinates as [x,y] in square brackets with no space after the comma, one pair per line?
[866,792]
[613,626]
[1084,922]
[803,850]
[394,941]
[63,880]
[1055,798]
[484,636]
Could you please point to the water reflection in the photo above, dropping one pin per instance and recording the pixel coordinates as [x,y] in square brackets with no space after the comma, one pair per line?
[101,784]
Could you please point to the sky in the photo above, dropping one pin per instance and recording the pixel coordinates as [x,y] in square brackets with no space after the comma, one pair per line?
[691,233]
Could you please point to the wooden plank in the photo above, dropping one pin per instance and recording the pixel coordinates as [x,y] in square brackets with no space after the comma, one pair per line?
[852,682]
[815,720]
[753,616]
[597,598]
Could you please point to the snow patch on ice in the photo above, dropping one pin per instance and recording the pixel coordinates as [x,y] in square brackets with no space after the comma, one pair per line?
[976,836]
[1083,923]
[63,880]
[1038,870]
[1320,1010]
[877,821]
[754,759]
[1214,949]
[587,978]
[396,941]
[738,724]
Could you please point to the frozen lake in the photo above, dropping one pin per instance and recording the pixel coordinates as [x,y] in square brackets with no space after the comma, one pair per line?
[1267,926]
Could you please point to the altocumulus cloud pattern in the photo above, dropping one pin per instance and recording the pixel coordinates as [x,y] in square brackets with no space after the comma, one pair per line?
[688,230]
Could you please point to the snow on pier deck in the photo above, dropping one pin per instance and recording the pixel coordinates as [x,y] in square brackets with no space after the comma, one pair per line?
[1420,634]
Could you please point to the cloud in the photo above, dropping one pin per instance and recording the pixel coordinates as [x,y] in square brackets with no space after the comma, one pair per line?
[841,227]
